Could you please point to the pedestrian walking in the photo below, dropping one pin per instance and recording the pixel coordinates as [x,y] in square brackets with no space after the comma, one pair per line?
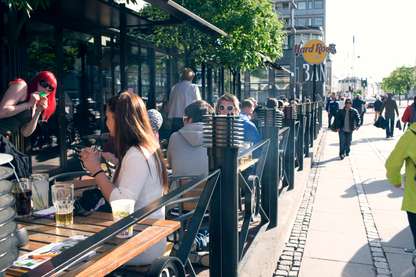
[378,104]
[390,110]
[405,152]
[359,104]
[347,121]
[181,95]
[332,107]
[409,115]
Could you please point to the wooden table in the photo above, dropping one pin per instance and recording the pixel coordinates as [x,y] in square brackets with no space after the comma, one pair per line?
[111,255]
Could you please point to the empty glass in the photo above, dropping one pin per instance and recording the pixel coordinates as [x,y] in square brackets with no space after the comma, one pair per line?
[40,191]
[63,201]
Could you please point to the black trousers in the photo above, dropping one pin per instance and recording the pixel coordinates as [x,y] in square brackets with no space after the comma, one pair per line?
[390,126]
[345,139]
[412,223]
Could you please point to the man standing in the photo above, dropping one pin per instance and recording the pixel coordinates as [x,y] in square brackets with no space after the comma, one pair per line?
[359,105]
[347,121]
[390,107]
[181,95]
[332,107]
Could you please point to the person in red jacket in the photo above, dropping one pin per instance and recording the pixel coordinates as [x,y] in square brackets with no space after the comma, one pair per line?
[409,115]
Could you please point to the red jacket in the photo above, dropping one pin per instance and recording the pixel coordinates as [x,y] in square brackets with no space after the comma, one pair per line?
[407,115]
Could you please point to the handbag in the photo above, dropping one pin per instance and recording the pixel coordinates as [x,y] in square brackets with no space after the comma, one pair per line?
[381,122]
[399,125]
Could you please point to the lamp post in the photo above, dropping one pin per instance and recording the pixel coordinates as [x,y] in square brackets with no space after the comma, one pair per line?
[293,6]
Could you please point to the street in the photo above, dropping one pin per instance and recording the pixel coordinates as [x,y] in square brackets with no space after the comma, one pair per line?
[349,222]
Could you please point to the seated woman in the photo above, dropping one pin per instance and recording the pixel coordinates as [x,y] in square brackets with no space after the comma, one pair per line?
[22,104]
[141,173]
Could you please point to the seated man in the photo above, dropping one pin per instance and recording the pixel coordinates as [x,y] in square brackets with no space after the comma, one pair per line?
[186,154]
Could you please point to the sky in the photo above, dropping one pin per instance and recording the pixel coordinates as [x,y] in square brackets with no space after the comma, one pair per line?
[384,36]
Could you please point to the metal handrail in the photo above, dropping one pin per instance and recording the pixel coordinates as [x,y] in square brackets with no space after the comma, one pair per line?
[76,253]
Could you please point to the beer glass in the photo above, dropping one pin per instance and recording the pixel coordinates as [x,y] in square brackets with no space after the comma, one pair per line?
[122,208]
[63,201]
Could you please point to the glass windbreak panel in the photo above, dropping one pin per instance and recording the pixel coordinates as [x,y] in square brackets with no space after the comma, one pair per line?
[259,84]
[161,79]
[133,60]
[43,144]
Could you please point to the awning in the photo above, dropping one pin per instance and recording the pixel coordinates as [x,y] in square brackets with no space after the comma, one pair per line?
[98,16]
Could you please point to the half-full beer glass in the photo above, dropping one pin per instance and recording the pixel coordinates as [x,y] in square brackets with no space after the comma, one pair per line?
[63,201]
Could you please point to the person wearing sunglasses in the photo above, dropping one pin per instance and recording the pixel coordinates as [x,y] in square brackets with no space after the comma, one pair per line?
[228,104]
[347,120]
[23,104]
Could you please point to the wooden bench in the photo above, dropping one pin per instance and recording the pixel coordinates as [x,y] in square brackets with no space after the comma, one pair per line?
[109,256]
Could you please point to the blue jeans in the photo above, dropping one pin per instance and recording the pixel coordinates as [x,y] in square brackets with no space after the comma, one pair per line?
[345,139]
[390,126]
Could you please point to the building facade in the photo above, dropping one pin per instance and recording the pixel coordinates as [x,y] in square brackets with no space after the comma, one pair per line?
[304,20]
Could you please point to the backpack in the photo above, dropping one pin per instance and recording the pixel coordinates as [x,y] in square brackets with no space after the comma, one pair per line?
[21,162]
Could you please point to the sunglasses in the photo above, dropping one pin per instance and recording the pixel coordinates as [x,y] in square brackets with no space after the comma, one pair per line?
[228,108]
[45,85]
[348,103]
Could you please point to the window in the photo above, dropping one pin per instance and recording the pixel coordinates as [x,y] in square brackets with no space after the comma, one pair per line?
[285,5]
[301,21]
[302,5]
[318,21]
[319,5]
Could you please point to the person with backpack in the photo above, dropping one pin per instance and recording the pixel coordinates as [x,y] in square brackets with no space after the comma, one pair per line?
[405,152]
[359,104]
[378,104]
[391,109]
[409,115]
[332,107]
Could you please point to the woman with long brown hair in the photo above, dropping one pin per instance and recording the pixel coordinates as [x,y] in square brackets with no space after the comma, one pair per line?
[141,173]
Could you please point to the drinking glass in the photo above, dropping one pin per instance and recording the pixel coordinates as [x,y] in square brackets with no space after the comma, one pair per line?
[22,192]
[63,201]
[40,191]
[122,208]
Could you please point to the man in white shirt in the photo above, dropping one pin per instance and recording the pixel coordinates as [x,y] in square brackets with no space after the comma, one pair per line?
[181,95]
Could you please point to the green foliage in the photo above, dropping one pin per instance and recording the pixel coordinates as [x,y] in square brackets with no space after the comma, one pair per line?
[252,26]
[27,5]
[400,81]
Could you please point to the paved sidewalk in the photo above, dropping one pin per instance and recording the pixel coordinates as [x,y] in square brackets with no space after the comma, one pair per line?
[349,222]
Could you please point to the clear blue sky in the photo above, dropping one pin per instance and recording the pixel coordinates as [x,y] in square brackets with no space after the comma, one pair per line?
[384,31]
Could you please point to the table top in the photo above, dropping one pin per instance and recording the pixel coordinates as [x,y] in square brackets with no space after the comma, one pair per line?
[110,255]
[247,164]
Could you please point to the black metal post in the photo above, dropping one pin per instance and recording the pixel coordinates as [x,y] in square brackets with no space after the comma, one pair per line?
[123,47]
[316,122]
[63,157]
[151,97]
[308,110]
[224,135]
[301,134]
[209,84]
[269,122]
[289,164]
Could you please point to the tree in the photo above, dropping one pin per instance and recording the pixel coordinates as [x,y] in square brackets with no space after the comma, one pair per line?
[400,81]
[253,29]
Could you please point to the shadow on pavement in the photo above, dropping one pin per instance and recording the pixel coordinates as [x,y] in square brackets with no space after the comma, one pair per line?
[374,187]
[400,261]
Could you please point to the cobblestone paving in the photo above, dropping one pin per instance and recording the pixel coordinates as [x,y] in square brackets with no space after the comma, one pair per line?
[290,260]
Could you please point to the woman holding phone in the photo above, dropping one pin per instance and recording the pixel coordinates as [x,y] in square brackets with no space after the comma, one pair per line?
[140,173]
[23,104]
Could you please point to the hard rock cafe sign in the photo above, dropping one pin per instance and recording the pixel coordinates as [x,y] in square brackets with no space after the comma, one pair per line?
[315,51]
